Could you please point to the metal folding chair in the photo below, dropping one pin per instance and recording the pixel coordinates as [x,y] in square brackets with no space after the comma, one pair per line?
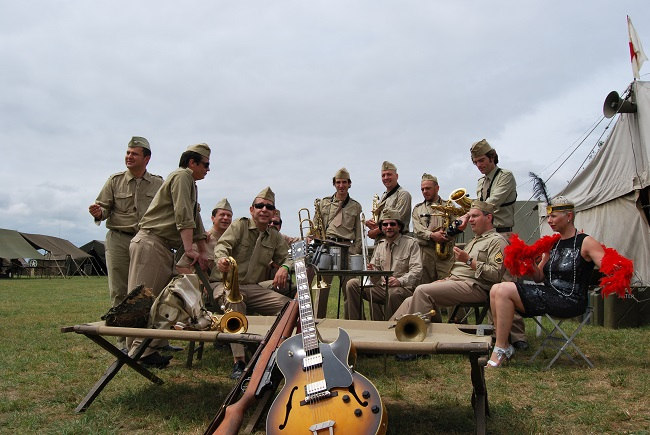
[559,340]
[480,310]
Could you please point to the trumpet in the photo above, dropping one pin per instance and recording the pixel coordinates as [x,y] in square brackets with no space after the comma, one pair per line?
[413,327]
[232,322]
[231,283]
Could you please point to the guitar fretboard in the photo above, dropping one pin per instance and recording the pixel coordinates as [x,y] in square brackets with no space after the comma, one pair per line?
[309,337]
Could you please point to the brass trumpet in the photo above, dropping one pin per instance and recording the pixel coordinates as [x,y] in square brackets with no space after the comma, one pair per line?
[413,327]
[231,283]
[232,322]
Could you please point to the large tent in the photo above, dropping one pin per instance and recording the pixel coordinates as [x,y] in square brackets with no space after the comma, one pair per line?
[612,195]
[62,254]
[14,249]
[97,250]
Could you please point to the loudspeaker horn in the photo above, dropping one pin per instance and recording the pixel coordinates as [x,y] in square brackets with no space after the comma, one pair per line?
[614,104]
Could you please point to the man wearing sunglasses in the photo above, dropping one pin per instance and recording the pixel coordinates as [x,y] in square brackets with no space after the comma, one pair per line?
[254,245]
[171,221]
[395,252]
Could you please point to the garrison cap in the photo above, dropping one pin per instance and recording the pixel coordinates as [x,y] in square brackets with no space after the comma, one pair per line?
[485,207]
[201,148]
[429,177]
[389,214]
[277,214]
[388,166]
[137,141]
[267,194]
[342,173]
[223,205]
[480,148]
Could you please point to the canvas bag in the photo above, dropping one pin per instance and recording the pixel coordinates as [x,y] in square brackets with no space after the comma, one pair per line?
[180,306]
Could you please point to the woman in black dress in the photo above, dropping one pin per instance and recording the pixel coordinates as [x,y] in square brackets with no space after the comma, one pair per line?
[563,272]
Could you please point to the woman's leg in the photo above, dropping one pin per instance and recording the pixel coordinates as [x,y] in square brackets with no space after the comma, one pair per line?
[504,298]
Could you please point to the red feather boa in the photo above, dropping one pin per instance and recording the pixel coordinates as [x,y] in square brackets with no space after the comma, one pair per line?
[617,270]
[520,258]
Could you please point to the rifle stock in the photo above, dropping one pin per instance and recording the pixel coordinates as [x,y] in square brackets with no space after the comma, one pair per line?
[231,415]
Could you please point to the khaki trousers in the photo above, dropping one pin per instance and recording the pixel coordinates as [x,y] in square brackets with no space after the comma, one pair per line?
[152,264]
[442,293]
[353,299]
[117,263]
[433,268]
[258,298]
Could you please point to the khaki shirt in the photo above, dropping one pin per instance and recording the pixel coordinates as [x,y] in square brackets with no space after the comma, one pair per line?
[400,201]
[487,250]
[423,226]
[406,262]
[175,208]
[350,227]
[503,191]
[239,242]
[124,199]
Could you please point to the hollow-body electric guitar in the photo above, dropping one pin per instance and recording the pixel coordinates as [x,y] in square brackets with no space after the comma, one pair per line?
[321,394]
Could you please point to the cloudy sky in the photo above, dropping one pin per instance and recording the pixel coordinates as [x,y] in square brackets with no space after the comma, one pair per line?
[287,92]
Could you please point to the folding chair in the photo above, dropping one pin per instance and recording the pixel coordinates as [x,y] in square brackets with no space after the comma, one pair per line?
[480,310]
[560,340]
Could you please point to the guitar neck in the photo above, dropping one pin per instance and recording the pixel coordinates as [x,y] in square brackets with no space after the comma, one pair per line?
[308,326]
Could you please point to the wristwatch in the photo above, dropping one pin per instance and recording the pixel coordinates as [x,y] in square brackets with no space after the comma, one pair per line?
[469,261]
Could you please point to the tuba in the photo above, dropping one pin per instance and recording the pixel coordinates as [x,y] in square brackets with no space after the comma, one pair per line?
[449,213]
[413,327]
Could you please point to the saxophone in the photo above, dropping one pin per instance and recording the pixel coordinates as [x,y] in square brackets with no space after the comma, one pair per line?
[449,213]
[319,226]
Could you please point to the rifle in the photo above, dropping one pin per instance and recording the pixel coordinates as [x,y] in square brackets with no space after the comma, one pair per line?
[231,415]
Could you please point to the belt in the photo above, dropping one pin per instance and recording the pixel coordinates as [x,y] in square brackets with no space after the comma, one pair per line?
[124,232]
[504,229]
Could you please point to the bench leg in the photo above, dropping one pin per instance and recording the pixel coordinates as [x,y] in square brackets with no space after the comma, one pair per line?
[479,394]
[114,368]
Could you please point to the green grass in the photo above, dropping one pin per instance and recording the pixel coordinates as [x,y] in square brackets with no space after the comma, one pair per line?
[44,374]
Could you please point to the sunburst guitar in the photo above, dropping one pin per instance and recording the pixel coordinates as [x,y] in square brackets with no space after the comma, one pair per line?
[321,394]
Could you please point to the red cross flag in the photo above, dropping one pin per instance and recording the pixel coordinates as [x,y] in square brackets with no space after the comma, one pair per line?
[637,56]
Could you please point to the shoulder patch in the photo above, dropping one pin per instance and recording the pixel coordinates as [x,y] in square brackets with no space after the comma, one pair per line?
[498,258]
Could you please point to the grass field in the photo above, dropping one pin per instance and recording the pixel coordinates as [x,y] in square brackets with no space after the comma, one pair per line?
[44,374]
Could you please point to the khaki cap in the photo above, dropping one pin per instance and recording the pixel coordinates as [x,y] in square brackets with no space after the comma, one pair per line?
[390,214]
[342,173]
[429,177]
[223,205]
[485,207]
[200,148]
[137,141]
[480,148]
[267,194]
[388,166]
[277,213]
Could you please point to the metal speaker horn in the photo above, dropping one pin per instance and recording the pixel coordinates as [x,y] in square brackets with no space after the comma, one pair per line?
[614,104]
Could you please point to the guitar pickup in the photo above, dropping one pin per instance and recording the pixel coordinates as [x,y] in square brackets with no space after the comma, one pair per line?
[312,361]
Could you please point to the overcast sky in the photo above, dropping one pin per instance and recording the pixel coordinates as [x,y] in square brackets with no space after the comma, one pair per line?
[287,92]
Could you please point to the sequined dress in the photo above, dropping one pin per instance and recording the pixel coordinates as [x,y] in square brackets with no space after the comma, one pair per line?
[566,294]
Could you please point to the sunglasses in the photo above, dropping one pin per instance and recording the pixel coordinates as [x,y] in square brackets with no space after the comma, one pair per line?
[389,224]
[261,205]
[206,165]
[276,223]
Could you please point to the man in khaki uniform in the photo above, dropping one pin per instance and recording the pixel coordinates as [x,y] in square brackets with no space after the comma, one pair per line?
[498,187]
[341,220]
[122,202]
[172,220]
[253,245]
[221,220]
[395,197]
[429,229]
[395,252]
[476,269]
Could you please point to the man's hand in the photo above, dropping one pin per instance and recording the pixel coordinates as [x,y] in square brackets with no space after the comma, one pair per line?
[280,278]
[223,264]
[439,236]
[96,211]
[394,282]
[370,223]
[374,233]
[464,219]
[461,255]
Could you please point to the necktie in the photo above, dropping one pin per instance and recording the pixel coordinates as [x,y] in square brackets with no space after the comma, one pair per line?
[253,261]
[386,264]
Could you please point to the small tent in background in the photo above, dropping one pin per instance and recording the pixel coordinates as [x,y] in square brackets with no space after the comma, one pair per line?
[98,261]
[612,194]
[62,257]
[13,251]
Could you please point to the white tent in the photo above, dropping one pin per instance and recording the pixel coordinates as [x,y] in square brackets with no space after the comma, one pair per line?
[611,194]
